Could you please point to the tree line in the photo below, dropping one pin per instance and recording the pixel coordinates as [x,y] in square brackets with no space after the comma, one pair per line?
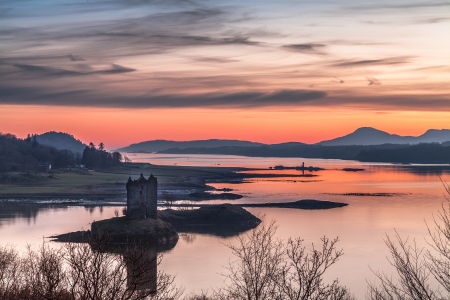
[27,155]
[99,158]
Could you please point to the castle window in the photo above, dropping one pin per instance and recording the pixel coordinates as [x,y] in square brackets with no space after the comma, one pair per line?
[141,192]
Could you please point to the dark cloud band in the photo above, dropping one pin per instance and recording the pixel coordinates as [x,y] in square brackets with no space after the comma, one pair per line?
[85,98]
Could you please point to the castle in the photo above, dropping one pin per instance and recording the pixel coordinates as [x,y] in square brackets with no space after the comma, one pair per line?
[142,197]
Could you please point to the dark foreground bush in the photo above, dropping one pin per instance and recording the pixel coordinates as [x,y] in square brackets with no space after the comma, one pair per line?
[75,271]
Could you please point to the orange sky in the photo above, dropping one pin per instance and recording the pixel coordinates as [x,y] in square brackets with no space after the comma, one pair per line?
[121,127]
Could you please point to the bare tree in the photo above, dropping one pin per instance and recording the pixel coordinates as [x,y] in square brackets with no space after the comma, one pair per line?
[99,274]
[301,275]
[413,272]
[259,255]
[43,274]
[84,272]
[417,266]
[266,268]
[9,272]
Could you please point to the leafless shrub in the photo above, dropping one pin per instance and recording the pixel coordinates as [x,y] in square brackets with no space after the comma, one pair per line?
[266,268]
[43,274]
[9,272]
[259,256]
[84,271]
[301,275]
[412,269]
[416,266]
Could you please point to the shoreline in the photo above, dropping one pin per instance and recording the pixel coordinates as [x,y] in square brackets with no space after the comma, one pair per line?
[181,183]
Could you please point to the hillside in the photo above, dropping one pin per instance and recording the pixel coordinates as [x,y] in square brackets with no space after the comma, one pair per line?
[61,141]
[371,136]
[161,145]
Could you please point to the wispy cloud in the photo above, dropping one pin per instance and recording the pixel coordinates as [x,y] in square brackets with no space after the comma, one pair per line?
[405,5]
[308,48]
[74,57]
[373,81]
[215,59]
[83,98]
[196,53]
[50,71]
[371,62]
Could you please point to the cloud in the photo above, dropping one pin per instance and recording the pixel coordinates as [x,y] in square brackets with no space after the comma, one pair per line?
[373,81]
[309,48]
[196,40]
[408,5]
[50,71]
[74,57]
[253,32]
[42,70]
[83,98]
[151,31]
[115,69]
[371,62]
[257,99]
[431,21]
[215,59]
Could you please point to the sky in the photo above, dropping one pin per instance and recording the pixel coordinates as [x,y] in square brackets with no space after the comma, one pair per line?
[121,72]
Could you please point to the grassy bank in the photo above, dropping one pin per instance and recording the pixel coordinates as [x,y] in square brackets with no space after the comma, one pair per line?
[90,183]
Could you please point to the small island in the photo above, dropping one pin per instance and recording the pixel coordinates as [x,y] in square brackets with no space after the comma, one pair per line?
[144,224]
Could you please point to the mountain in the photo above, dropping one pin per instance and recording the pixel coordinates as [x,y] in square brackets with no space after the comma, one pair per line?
[371,136]
[161,145]
[61,141]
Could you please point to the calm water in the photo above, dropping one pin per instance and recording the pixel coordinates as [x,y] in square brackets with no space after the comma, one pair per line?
[361,227]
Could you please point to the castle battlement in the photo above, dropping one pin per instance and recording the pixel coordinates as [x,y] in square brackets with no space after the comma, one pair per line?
[142,197]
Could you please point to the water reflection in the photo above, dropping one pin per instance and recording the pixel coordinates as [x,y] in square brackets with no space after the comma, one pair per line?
[416,193]
[9,211]
[188,238]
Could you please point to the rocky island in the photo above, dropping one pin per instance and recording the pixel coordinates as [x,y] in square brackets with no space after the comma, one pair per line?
[143,223]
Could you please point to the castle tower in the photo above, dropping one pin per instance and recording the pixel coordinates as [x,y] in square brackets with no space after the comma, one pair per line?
[142,197]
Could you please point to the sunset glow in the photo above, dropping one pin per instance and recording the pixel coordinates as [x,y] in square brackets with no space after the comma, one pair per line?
[122,72]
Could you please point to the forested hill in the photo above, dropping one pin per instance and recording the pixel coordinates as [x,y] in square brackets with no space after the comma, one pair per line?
[160,145]
[61,141]
[27,155]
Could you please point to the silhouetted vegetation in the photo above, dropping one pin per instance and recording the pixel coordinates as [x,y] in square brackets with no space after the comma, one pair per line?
[422,153]
[28,156]
[77,271]
[99,158]
[416,267]
[306,151]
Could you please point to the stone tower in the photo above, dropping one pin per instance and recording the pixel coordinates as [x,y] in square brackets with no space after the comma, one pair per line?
[142,197]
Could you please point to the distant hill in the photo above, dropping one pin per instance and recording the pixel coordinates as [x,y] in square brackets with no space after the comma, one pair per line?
[371,136]
[161,145]
[61,141]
